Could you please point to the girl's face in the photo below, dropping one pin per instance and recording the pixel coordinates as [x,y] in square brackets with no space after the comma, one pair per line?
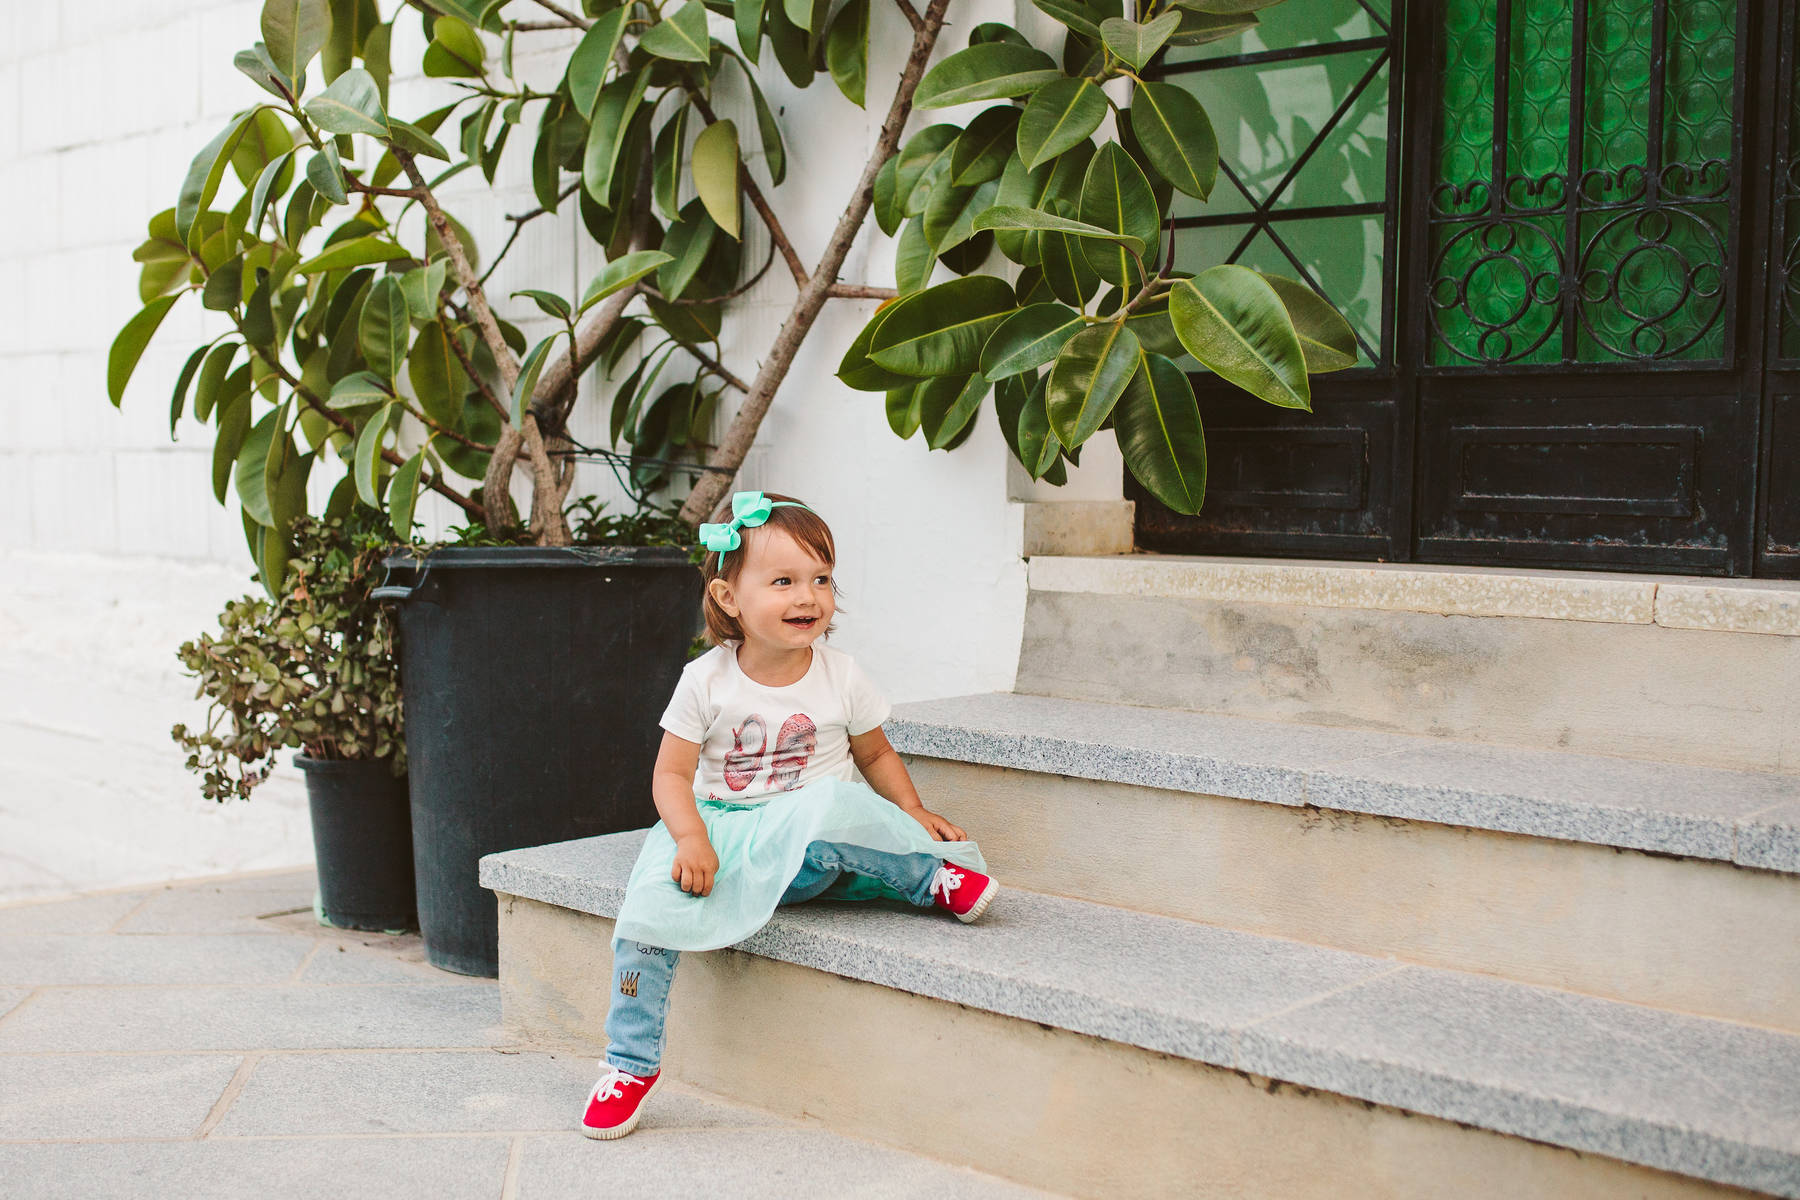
[782,596]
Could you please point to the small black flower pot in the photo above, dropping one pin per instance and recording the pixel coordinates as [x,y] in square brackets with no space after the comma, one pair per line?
[362,842]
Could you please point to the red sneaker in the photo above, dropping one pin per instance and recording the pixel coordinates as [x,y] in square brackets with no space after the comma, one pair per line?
[964,892]
[616,1103]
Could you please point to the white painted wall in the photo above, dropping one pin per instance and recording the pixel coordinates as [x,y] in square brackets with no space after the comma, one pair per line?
[112,550]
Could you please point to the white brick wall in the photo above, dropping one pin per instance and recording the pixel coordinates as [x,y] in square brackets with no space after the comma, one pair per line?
[112,550]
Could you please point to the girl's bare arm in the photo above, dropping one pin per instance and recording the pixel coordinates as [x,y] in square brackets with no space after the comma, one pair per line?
[880,764]
[672,786]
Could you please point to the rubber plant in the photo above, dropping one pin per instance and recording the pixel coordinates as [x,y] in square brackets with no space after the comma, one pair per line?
[346,342]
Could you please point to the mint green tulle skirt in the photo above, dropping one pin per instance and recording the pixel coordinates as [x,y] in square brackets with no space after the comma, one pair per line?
[760,849]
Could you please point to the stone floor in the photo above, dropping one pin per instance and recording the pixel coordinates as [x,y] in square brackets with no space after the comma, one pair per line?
[208,1038]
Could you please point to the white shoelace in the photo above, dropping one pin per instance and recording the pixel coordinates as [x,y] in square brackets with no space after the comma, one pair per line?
[608,1088]
[945,882]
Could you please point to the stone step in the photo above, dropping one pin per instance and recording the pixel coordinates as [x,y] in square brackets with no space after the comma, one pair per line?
[1662,884]
[1100,1051]
[1701,671]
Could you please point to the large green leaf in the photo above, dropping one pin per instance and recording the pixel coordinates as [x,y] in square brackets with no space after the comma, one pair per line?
[1177,136]
[212,376]
[1080,17]
[847,50]
[1070,277]
[1090,373]
[352,104]
[1010,395]
[886,202]
[1046,187]
[325,171]
[1157,423]
[926,156]
[950,217]
[687,241]
[1325,337]
[358,391]
[455,51]
[403,493]
[858,371]
[1008,217]
[913,257]
[529,370]
[274,180]
[940,331]
[366,460]
[385,327]
[593,55]
[437,375]
[259,464]
[902,406]
[204,175]
[747,16]
[1062,114]
[264,139]
[1136,43]
[613,111]
[621,273]
[178,398]
[1029,338]
[715,169]
[1116,196]
[947,405]
[980,154]
[353,252]
[990,71]
[294,31]
[769,131]
[1038,448]
[1232,321]
[681,37]
[233,420]
[262,71]
[423,287]
[666,159]
[129,345]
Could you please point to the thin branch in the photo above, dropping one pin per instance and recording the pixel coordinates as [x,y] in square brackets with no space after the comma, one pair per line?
[519,221]
[540,26]
[711,488]
[465,273]
[357,185]
[468,366]
[572,18]
[912,17]
[717,368]
[755,196]
[860,291]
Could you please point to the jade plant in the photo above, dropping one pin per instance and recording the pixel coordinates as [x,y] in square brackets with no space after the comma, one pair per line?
[313,669]
[351,346]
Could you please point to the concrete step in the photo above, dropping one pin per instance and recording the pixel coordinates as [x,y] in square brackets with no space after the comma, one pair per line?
[1700,671]
[1104,1052]
[1669,885]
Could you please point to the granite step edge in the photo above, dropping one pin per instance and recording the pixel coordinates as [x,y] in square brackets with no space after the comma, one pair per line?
[1344,770]
[588,876]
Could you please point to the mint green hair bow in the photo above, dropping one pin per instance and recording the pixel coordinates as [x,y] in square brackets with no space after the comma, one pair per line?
[748,509]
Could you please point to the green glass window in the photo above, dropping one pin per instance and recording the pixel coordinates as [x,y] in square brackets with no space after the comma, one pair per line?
[1301,104]
[1583,163]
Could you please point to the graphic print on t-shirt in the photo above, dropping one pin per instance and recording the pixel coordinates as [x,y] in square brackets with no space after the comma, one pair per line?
[795,744]
[742,766]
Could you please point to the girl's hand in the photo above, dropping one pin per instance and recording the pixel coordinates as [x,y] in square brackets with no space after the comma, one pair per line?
[695,865]
[940,827]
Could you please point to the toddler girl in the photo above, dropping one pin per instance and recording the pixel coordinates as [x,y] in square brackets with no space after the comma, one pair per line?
[755,782]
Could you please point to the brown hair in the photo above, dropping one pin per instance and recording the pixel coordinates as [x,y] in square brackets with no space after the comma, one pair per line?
[802,524]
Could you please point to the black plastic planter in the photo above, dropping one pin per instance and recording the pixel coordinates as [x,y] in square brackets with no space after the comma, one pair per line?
[362,843]
[532,680]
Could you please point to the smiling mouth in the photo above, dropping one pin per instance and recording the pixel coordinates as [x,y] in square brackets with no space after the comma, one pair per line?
[802,622]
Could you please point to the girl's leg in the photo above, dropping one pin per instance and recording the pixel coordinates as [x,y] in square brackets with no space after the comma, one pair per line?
[640,1005]
[825,862]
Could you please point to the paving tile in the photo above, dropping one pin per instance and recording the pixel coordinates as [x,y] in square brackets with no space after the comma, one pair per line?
[110,1096]
[342,962]
[225,907]
[450,1092]
[1157,982]
[101,958]
[10,998]
[1575,797]
[82,914]
[256,1018]
[776,1164]
[1708,1098]
[446,1168]
[1771,839]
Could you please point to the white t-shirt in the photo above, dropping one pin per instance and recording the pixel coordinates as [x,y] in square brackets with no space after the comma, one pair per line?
[757,741]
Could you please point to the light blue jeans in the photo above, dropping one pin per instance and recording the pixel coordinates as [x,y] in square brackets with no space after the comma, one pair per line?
[641,974]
